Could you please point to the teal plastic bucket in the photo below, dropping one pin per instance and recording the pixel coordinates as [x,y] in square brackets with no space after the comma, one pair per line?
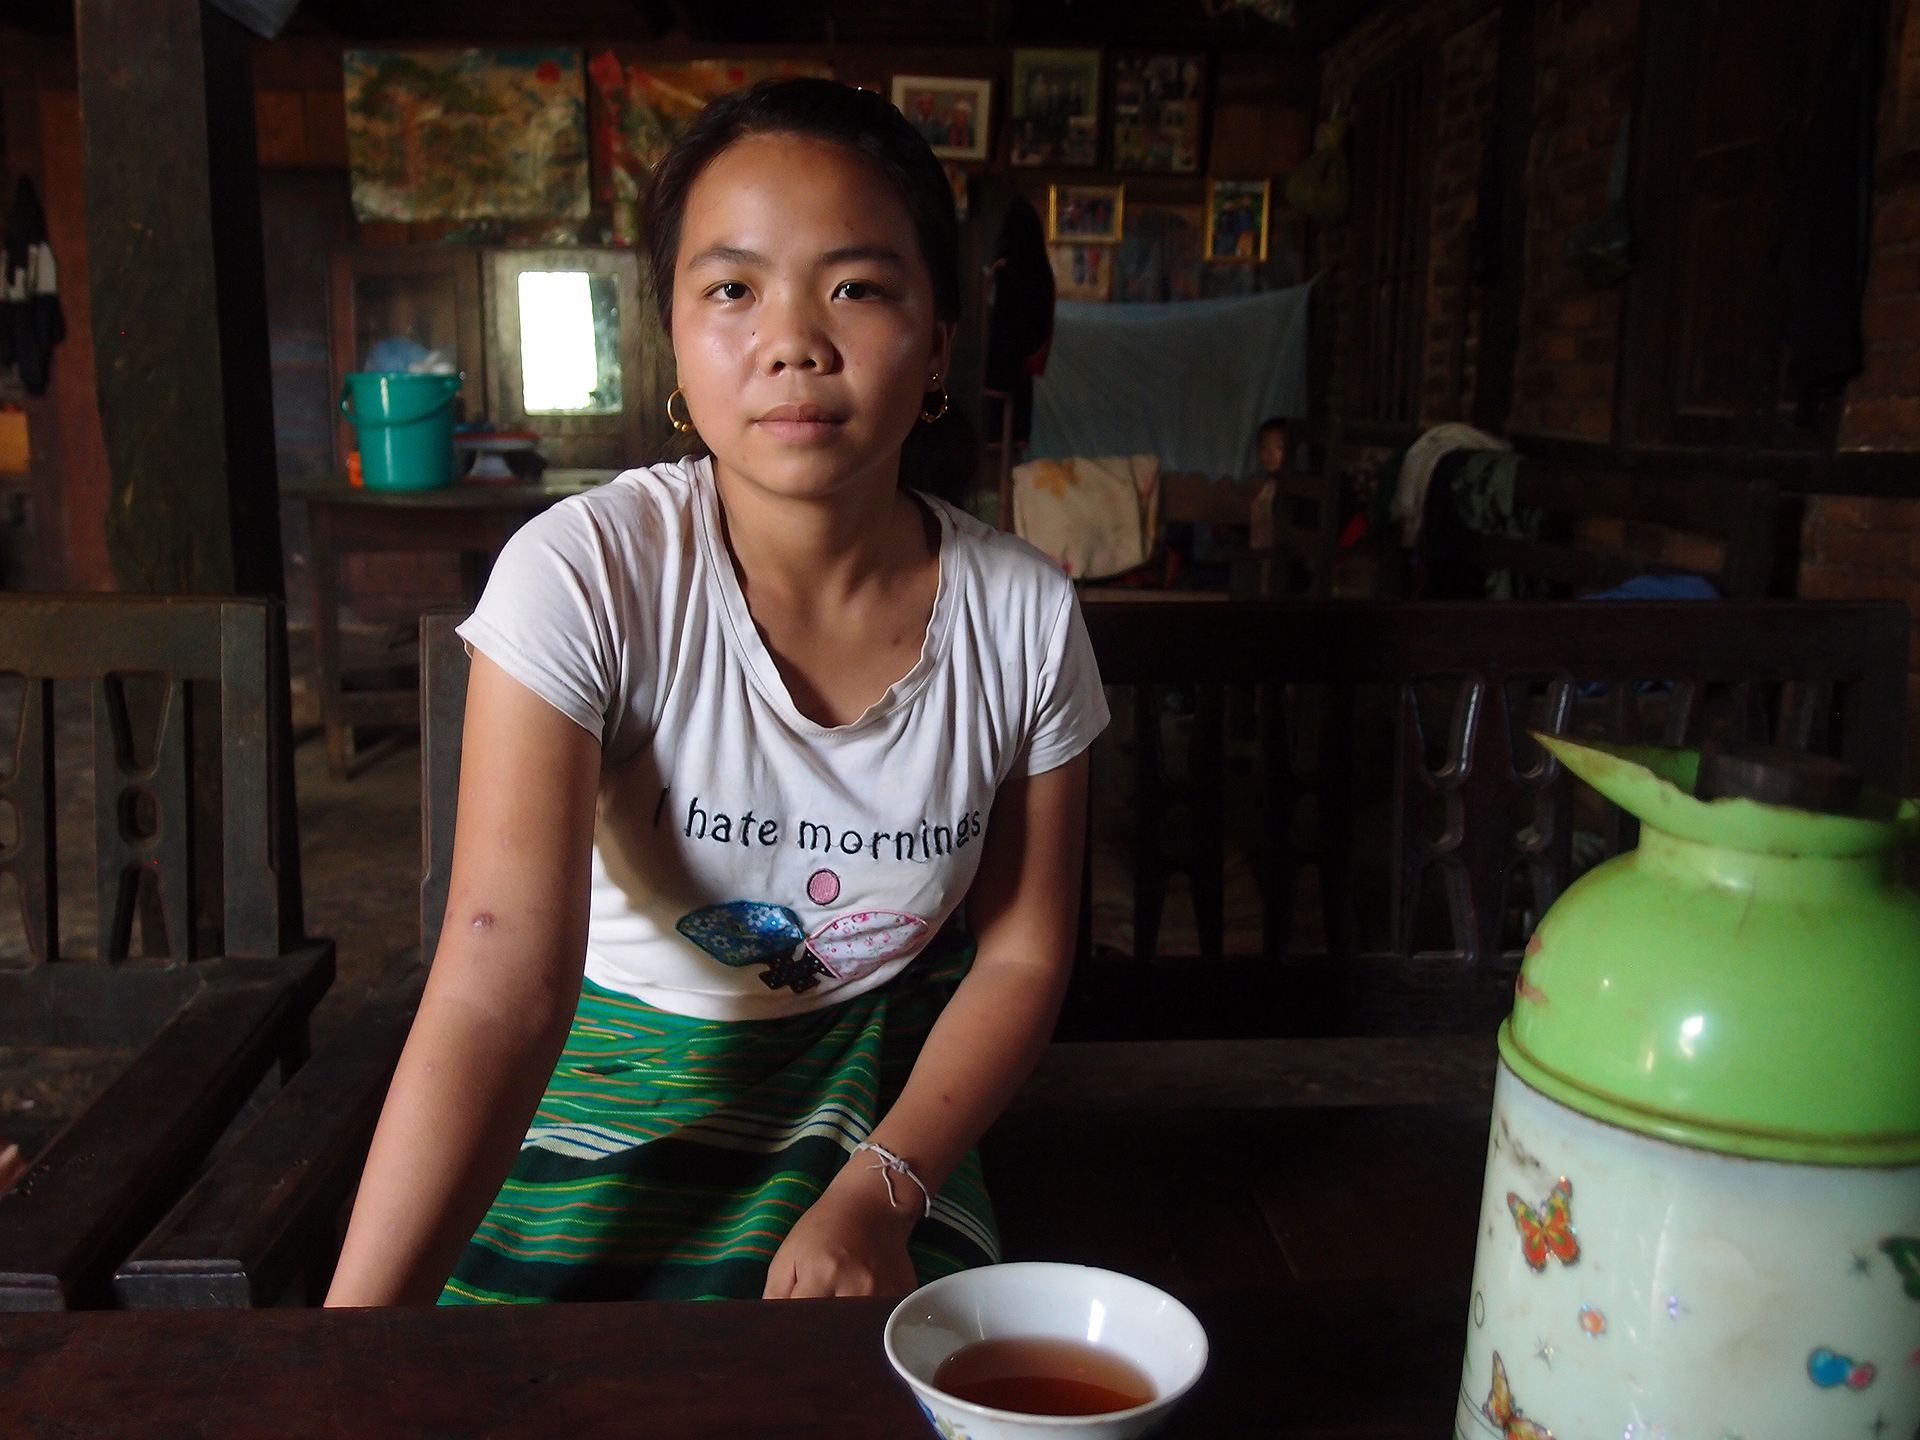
[405,424]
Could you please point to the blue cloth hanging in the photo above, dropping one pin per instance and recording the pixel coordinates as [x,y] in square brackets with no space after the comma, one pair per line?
[1189,381]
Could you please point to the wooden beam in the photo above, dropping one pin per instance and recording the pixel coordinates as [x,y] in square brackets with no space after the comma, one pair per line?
[177,276]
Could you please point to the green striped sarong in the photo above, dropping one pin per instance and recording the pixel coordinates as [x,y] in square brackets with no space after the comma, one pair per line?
[670,1156]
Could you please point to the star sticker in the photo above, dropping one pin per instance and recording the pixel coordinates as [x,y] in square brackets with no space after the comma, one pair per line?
[1544,1354]
[1862,1264]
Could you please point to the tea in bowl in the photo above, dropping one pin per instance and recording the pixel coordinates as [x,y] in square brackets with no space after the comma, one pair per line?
[1042,1351]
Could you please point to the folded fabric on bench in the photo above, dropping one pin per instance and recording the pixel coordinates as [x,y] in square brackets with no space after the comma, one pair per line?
[1095,517]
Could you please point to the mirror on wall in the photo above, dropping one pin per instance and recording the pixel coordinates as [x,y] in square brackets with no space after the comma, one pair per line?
[569,342]
[563,326]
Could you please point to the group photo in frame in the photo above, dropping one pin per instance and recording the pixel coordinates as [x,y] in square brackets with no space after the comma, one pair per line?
[953,114]
[1055,108]
[1086,214]
[1238,213]
[1157,112]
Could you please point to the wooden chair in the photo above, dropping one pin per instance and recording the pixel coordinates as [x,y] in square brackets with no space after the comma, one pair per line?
[1601,526]
[271,1206]
[1468,807]
[1827,676]
[193,825]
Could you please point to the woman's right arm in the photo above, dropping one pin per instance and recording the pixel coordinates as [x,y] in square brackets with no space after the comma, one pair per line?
[505,981]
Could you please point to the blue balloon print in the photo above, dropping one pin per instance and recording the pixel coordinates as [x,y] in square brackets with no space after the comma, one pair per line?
[743,932]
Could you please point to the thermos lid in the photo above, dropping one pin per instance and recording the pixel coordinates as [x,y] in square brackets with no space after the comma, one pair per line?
[1748,979]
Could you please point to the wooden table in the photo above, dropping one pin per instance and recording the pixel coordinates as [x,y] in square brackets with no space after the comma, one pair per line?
[471,520]
[742,1370]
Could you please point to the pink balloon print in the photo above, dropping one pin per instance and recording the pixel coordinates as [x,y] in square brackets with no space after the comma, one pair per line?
[862,941]
[823,887]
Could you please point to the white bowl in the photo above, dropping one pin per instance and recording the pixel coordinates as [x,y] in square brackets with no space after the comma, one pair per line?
[1043,1300]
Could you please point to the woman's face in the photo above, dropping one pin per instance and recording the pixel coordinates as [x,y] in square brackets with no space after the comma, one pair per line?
[803,317]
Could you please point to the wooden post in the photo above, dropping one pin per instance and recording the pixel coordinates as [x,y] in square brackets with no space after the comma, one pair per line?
[1506,286]
[177,276]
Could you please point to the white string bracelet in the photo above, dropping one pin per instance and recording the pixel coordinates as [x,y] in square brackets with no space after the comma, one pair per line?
[889,1165]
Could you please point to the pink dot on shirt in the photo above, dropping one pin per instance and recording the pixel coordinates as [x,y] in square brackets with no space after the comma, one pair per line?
[823,887]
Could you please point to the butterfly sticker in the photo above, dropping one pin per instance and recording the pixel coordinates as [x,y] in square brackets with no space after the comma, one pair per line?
[1501,1410]
[1904,1251]
[752,932]
[1548,1230]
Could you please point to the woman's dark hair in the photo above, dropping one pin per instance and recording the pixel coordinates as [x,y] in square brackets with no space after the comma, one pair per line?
[937,457]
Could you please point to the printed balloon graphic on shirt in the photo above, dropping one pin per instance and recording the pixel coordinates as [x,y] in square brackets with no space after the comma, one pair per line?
[743,932]
[860,943]
[753,932]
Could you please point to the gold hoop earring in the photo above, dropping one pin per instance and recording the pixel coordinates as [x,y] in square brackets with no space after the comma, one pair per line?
[927,419]
[685,427]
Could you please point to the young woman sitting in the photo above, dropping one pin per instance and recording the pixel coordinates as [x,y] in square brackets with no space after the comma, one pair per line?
[742,734]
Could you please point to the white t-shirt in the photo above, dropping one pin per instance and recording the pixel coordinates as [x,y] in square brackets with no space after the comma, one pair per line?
[749,863]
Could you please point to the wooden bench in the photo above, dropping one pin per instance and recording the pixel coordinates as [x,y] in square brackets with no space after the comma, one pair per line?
[197,853]
[1343,1025]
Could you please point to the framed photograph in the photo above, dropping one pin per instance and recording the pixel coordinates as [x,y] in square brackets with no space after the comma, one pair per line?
[1237,221]
[1157,103]
[1055,108]
[1086,214]
[952,114]
[1082,272]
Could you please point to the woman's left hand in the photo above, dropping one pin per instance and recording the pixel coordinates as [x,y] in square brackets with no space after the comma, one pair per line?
[851,1241]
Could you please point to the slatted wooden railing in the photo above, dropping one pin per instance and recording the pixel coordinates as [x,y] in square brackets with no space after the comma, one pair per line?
[1416,715]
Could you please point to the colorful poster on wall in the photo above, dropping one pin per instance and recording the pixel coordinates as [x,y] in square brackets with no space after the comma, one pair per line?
[1156,112]
[466,134]
[645,107]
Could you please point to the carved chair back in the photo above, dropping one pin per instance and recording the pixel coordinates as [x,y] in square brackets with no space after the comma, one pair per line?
[191,825]
[1381,752]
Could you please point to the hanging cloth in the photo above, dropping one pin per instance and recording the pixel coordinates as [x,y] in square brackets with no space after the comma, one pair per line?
[1189,381]
[1020,322]
[31,323]
[1417,467]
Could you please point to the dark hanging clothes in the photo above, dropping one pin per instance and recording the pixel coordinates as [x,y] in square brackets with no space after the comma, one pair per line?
[1824,238]
[1020,325]
[30,320]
